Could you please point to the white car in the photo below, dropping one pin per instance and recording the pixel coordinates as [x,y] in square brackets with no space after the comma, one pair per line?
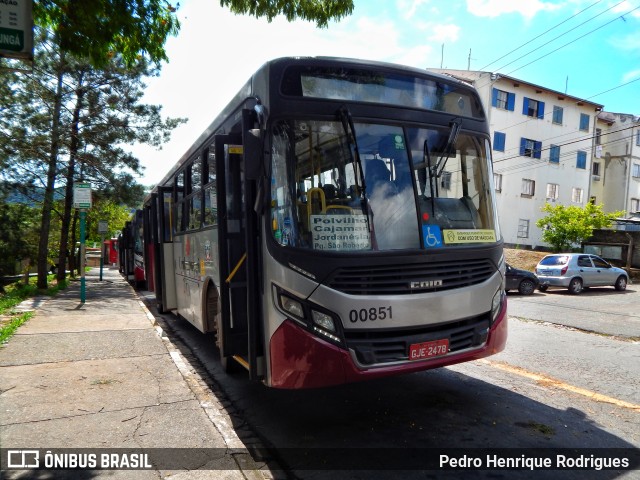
[576,271]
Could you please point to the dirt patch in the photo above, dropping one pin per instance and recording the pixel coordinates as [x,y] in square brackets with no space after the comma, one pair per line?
[524,259]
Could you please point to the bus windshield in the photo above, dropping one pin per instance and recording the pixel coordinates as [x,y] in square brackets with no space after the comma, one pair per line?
[379,187]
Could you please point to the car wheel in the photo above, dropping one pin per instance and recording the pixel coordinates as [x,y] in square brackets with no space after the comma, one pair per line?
[543,288]
[526,287]
[575,286]
[621,283]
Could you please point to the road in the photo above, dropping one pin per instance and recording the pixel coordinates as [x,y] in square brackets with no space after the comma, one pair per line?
[553,387]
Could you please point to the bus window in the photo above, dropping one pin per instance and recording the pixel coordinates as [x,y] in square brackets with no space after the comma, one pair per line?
[179,203]
[323,199]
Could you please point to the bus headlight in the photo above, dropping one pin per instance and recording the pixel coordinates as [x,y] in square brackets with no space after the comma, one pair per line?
[496,304]
[315,318]
[323,320]
[291,306]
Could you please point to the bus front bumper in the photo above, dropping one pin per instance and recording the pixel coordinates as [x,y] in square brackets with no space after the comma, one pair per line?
[301,360]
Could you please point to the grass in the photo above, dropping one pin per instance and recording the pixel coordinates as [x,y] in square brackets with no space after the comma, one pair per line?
[14,294]
[7,330]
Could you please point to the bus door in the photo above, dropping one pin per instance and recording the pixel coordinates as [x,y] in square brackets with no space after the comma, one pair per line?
[165,277]
[239,335]
[149,245]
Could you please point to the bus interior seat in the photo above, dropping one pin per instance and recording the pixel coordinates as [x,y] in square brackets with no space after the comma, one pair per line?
[330,191]
[333,203]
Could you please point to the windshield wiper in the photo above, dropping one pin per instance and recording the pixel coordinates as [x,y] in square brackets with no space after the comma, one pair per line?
[350,132]
[427,159]
[454,126]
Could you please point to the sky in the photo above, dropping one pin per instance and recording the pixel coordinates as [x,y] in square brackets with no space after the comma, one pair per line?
[589,49]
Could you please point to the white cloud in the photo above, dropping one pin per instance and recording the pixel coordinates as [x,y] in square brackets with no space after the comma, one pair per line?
[632,75]
[629,42]
[444,33]
[408,8]
[495,8]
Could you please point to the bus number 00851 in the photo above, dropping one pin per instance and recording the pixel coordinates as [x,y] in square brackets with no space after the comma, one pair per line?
[370,314]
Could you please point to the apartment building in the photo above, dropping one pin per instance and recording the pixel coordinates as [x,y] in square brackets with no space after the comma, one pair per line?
[543,149]
[615,170]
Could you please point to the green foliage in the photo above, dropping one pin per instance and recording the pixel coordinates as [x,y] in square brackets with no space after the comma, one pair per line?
[114,214]
[97,113]
[8,329]
[320,11]
[567,226]
[12,296]
[100,29]
[18,236]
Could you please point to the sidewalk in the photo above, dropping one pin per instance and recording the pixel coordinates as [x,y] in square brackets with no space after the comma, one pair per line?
[99,376]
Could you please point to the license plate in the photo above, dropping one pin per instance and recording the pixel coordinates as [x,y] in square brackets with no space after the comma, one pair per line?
[436,348]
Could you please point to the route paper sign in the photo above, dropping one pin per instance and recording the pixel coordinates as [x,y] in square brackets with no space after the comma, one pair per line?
[82,195]
[340,232]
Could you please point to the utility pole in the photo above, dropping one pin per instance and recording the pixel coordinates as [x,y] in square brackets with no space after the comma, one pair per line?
[469,60]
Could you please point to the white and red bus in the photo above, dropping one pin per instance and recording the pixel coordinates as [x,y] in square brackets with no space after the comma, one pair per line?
[336,222]
[130,245]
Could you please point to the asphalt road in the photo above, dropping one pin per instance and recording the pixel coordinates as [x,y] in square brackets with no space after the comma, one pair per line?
[553,388]
[597,309]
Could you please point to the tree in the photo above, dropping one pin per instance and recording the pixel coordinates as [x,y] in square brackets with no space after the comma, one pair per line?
[320,11]
[567,226]
[100,29]
[18,235]
[70,121]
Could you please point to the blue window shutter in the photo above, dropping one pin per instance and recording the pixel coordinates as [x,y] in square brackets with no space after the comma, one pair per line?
[494,97]
[511,101]
[523,144]
[582,160]
[584,121]
[554,154]
[541,110]
[537,149]
[499,141]
[525,106]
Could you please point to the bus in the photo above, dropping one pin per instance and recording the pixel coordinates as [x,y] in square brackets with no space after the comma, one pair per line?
[131,250]
[110,251]
[336,222]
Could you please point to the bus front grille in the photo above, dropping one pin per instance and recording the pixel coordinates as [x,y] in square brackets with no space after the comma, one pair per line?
[410,278]
[378,347]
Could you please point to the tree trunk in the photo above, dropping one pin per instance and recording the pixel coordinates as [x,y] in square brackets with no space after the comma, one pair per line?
[68,201]
[47,204]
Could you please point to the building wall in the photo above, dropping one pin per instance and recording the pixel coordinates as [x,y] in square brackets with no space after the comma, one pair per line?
[518,210]
[618,185]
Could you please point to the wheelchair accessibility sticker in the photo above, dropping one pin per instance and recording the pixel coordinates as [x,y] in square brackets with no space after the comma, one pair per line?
[432,236]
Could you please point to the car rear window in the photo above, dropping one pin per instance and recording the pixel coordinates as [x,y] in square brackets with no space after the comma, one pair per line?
[554,260]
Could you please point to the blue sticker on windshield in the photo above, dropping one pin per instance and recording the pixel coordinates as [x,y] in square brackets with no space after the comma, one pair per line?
[432,236]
